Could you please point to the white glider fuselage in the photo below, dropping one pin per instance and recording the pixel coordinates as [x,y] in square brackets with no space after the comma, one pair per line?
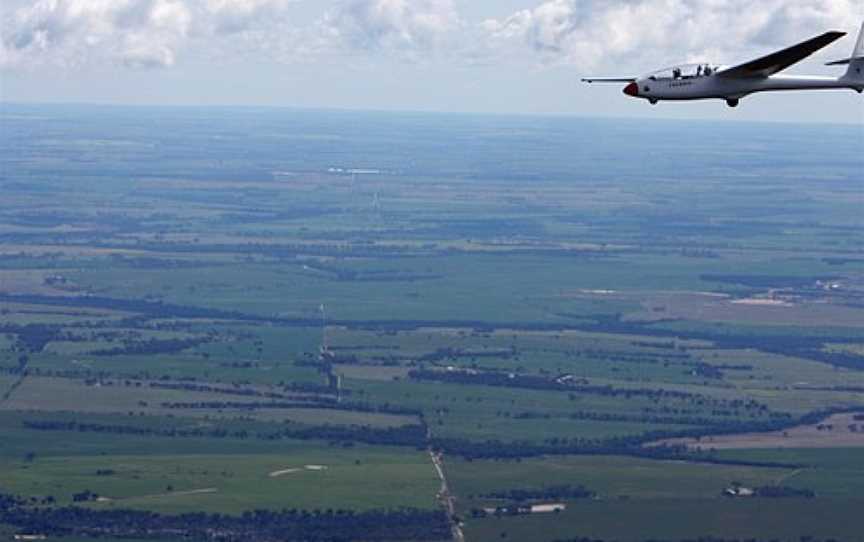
[716,86]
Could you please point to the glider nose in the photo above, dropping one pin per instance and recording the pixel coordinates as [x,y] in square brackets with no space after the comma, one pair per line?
[632,89]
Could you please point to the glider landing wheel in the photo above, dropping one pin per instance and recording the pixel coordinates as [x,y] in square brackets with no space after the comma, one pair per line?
[652,101]
[732,102]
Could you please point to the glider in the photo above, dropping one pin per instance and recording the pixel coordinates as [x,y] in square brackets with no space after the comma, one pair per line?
[709,81]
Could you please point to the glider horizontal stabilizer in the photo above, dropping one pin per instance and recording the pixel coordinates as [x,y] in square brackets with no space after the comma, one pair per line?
[844,61]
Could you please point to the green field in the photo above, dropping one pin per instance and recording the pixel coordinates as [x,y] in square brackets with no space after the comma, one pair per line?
[365,478]
[683,499]
[832,472]
[674,519]
[236,293]
[611,478]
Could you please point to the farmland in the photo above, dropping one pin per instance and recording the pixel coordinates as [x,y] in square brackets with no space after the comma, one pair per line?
[206,313]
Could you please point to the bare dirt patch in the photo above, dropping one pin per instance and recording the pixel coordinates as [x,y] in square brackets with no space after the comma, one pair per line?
[372,372]
[701,306]
[838,431]
[283,472]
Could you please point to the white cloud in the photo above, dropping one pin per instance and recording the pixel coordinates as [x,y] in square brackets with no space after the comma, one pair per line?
[70,31]
[138,33]
[392,26]
[8,56]
[588,33]
[232,16]
[142,52]
[625,34]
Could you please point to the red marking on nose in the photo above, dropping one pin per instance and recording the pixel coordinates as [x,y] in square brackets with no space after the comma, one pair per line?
[632,89]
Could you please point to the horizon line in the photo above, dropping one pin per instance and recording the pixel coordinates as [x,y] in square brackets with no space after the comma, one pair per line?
[331,109]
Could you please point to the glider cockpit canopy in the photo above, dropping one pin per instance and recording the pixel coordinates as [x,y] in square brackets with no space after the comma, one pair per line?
[684,71]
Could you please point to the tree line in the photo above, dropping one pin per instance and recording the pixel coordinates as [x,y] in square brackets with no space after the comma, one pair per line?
[583,415]
[633,445]
[260,525]
[324,404]
[704,539]
[551,493]
[567,383]
[406,435]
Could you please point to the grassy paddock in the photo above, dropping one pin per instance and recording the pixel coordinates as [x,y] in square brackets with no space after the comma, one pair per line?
[830,472]
[611,477]
[785,520]
[312,477]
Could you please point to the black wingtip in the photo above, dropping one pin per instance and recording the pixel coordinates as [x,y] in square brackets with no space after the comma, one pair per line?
[829,37]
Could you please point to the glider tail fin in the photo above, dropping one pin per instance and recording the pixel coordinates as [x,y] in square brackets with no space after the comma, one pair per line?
[859,47]
[855,62]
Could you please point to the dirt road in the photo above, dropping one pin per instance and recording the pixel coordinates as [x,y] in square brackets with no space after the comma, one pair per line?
[446,498]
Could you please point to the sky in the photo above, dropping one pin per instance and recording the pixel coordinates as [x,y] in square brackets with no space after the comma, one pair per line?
[486,56]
